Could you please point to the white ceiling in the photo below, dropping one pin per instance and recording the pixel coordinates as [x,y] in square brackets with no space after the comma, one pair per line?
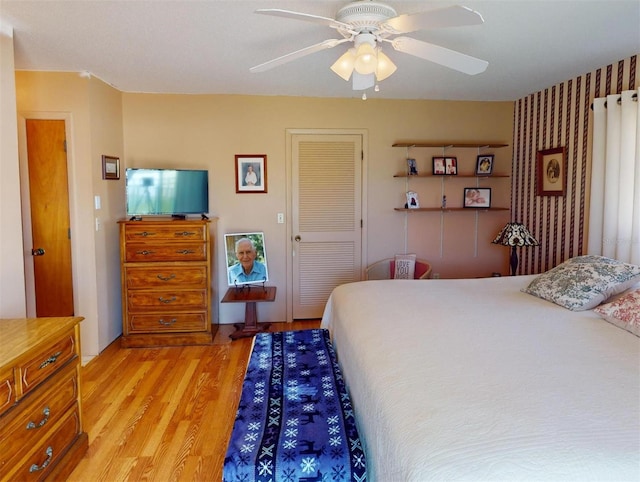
[207,47]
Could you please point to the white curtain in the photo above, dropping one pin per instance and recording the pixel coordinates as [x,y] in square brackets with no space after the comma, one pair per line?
[614,217]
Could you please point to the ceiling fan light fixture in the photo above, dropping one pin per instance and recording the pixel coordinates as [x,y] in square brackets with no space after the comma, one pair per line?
[385,67]
[344,65]
[366,59]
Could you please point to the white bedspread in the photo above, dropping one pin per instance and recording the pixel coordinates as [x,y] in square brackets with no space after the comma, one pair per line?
[475,380]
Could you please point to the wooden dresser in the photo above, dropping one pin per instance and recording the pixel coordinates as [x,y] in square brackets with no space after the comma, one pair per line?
[41,434]
[166,282]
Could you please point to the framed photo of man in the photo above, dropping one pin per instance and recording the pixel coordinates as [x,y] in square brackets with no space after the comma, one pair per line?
[251,173]
[246,258]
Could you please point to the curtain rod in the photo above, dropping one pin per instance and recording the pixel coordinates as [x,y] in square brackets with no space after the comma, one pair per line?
[634,97]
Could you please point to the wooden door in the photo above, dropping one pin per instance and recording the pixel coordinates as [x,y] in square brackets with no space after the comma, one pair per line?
[49,199]
[326,218]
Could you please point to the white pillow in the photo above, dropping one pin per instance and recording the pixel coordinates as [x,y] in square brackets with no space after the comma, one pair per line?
[583,282]
[405,266]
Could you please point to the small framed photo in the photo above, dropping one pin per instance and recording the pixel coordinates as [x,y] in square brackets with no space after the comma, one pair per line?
[110,167]
[412,168]
[246,258]
[412,200]
[445,166]
[477,197]
[484,166]
[251,173]
[552,172]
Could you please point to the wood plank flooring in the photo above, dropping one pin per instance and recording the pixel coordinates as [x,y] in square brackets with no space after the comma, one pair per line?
[163,414]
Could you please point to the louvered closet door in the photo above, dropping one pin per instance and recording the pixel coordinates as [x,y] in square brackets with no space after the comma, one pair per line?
[326,221]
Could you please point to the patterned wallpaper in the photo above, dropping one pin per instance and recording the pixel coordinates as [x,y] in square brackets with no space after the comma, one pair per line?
[555,117]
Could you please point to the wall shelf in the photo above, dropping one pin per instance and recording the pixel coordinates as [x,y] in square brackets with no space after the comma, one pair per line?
[452,176]
[444,210]
[446,145]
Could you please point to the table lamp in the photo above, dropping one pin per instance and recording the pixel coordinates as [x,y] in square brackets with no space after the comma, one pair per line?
[515,235]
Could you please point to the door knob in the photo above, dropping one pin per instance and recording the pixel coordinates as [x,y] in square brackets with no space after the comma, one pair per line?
[298,238]
[37,252]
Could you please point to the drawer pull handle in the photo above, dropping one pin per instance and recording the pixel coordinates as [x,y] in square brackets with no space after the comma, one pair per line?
[9,390]
[166,278]
[145,252]
[36,467]
[167,323]
[186,251]
[52,359]
[46,412]
[144,234]
[167,300]
[186,233]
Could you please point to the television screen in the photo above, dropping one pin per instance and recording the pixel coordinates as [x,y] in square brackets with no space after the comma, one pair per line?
[167,191]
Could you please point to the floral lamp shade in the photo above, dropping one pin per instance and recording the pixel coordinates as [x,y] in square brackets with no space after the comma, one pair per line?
[515,235]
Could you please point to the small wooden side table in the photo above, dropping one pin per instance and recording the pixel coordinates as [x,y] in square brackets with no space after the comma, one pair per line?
[250,295]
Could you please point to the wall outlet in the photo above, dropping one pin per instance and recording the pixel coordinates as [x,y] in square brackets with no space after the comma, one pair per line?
[280,218]
[435,275]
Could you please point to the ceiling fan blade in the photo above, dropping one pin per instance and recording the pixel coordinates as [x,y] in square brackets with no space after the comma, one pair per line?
[440,55]
[327,44]
[307,17]
[363,81]
[456,16]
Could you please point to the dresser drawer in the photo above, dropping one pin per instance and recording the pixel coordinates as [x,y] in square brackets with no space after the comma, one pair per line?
[165,252]
[169,301]
[37,414]
[46,361]
[164,232]
[48,451]
[166,277]
[7,390]
[173,322]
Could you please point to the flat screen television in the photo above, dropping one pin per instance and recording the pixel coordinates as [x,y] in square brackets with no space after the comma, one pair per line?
[175,192]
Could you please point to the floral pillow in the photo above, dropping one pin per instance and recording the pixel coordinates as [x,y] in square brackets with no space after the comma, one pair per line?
[583,282]
[623,312]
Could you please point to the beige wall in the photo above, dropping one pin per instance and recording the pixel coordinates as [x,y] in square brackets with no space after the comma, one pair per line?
[93,112]
[12,292]
[206,131]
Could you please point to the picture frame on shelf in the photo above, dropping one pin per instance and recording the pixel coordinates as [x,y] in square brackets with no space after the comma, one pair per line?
[551,171]
[412,169]
[412,200]
[477,197]
[484,165]
[251,173]
[451,166]
[444,166]
[110,167]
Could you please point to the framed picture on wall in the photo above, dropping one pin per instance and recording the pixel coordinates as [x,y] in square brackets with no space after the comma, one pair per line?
[110,167]
[551,172]
[251,173]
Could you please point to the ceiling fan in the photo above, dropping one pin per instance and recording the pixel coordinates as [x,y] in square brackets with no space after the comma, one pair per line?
[369,25]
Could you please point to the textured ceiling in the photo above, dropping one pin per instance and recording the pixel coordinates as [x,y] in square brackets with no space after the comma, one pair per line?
[203,47]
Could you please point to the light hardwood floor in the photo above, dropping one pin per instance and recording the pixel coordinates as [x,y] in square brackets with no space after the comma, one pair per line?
[163,414]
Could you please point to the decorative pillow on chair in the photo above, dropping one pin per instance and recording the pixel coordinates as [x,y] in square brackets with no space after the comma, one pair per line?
[405,266]
[583,282]
[623,312]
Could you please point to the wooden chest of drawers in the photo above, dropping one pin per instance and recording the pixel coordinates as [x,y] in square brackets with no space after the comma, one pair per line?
[41,434]
[166,282]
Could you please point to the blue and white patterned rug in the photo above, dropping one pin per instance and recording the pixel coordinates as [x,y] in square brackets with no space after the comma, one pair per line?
[295,421]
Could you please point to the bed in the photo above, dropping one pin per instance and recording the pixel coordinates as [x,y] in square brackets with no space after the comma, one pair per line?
[476,380]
